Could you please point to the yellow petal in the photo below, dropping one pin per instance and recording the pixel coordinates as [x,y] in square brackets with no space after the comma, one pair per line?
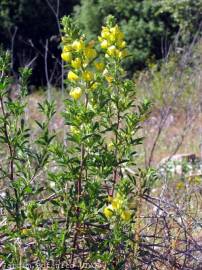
[126,215]
[117,203]
[112,50]
[78,45]
[76,93]
[121,44]
[72,76]
[117,32]
[104,44]
[105,33]
[76,63]
[66,56]
[90,53]
[67,48]
[87,76]
[108,212]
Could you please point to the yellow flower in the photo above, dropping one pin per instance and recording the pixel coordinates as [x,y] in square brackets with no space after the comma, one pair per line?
[112,38]
[67,48]
[76,63]
[112,51]
[100,66]
[108,212]
[104,44]
[116,32]
[105,32]
[72,76]
[90,53]
[121,44]
[117,203]
[66,56]
[76,93]
[87,76]
[126,215]
[78,45]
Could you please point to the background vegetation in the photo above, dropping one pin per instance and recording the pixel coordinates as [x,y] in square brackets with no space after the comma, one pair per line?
[150,27]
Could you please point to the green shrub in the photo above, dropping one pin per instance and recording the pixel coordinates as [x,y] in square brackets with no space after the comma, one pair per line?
[73,203]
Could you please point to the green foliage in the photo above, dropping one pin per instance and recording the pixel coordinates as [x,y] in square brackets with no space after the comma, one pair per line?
[186,14]
[21,160]
[147,24]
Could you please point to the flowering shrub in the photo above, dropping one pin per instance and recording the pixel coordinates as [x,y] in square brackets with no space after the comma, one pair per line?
[74,203]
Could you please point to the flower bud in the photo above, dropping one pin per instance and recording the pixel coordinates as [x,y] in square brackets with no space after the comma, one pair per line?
[72,76]
[117,203]
[99,66]
[112,51]
[121,44]
[126,215]
[76,93]
[108,211]
[90,53]
[78,45]
[104,44]
[66,56]
[105,33]
[67,48]
[76,63]
[87,76]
